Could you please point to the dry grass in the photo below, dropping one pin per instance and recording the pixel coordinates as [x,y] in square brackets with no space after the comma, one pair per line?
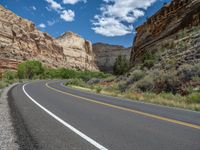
[164,99]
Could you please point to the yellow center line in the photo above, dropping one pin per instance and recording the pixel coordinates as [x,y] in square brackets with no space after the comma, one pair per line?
[129,110]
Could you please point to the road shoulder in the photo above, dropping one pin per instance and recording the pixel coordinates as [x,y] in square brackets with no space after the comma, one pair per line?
[8,138]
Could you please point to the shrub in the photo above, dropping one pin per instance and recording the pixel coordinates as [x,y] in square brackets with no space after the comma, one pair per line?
[76,82]
[145,84]
[93,81]
[136,76]
[148,63]
[10,75]
[98,89]
[122,87]
[194,97]
[148,60]
[121,65]
[29,69]
[188,72]
[167,82]
[87,75]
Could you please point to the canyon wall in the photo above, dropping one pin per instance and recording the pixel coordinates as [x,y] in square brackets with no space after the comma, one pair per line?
[106,55]
[78,51]
[163,26]
[21,41]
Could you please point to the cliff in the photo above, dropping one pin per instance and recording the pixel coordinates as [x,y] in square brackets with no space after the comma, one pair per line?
[78,51]
[106,55]
[163,26]
[20,41]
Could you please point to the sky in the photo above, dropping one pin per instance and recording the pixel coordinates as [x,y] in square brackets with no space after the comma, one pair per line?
[107,21]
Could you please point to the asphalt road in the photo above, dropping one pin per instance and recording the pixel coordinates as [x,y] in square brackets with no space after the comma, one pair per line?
[55,117]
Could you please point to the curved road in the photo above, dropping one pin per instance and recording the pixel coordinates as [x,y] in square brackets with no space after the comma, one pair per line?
[56,117]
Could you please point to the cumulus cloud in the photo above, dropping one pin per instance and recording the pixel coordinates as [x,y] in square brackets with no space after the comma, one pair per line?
[72,2]
[117,16]
[54,5]
[42,25]
[66,15]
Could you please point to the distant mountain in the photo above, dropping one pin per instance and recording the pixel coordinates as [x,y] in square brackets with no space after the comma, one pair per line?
[106,55]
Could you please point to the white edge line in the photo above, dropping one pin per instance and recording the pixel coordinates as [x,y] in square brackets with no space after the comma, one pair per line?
[132,100]
[91,141]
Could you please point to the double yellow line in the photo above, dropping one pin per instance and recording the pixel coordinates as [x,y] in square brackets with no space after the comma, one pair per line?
[129,110]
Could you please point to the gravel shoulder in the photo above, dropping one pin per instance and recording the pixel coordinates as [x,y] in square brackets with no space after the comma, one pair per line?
[8,139]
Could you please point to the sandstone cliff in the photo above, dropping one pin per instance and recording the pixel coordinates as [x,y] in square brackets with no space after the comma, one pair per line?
[78,51]
[106,55]
[20,41]
[163,26]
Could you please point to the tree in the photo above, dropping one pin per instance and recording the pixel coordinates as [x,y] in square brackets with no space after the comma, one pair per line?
[29,69]
[121,65]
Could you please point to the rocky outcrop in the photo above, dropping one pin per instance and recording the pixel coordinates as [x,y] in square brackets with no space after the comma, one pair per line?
[20,41]
[78,51]
[173,17]
[106,55]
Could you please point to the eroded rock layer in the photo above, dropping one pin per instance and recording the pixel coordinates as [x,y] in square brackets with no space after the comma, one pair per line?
[20,41]
[78,51]
[173,17]
[106,55]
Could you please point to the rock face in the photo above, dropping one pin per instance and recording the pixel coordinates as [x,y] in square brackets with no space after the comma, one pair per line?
[164,25]
[78,51]
[20,41]
[106,55]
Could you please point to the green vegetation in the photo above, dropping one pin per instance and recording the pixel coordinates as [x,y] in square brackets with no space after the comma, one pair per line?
[121,65]
[176,88]
[30,69]
[148,60]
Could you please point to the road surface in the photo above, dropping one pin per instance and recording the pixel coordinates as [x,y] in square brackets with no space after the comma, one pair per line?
[55,117]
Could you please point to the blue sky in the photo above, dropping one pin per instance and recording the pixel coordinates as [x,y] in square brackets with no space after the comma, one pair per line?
[108,21]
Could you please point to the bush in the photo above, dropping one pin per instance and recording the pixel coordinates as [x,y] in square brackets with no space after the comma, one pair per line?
[167,82]
[121,65]
[75,82]
[93,81]
[188,72]
[10,75]
[148,63]
[194,97]
[87,75]
[148,60]
[98,89]
[145,84]
[136,76]
[29,69]
[122,87]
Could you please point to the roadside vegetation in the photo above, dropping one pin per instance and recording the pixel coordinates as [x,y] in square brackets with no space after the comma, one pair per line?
[179,89]
[171,86]
[33,70]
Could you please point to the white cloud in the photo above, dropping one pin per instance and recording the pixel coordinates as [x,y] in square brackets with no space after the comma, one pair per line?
[67,15]
[72,2]
[51,23]
[111,27]
[34,8]
[117,16]
[54,5]
[42,25]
